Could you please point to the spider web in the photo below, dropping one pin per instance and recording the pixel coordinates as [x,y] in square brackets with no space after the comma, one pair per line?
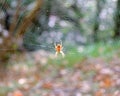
[31,42]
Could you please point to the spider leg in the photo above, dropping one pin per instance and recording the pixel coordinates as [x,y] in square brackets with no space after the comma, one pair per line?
[62,53]
[60,42]
[56,53]
[55,45]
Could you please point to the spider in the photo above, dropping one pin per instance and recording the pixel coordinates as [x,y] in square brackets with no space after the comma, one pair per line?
[58,49]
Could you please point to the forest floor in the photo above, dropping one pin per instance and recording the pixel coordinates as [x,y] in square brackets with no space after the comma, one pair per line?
[31,74]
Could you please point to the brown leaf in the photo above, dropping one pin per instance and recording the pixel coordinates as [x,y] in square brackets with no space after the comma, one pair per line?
[18,93]
[47,85]
[99,93]
[106,83]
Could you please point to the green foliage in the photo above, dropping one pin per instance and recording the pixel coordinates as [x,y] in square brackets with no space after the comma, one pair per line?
[101,49]
[30,40]
[26,2]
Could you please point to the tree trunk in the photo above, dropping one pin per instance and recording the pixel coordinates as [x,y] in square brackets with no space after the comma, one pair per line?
[99,7]
[10,44]
[117,21]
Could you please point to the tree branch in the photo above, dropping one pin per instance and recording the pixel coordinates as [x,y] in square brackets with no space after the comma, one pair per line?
[27,20]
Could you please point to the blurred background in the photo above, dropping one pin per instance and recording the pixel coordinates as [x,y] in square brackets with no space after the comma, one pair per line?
[89,31]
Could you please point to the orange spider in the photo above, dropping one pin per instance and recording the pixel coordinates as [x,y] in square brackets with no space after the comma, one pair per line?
[58,49]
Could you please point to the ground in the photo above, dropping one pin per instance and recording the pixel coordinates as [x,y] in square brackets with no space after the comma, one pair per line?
[32,74]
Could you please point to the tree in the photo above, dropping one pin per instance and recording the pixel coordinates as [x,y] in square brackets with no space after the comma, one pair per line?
[117,21]
[9,43]
[99,7]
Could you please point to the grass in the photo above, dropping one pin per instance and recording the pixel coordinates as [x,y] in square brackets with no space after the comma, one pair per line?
[101,49]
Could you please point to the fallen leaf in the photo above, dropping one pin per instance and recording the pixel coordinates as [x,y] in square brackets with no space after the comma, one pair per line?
[47,85]
[99,93]
[106,83]
[18,93]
